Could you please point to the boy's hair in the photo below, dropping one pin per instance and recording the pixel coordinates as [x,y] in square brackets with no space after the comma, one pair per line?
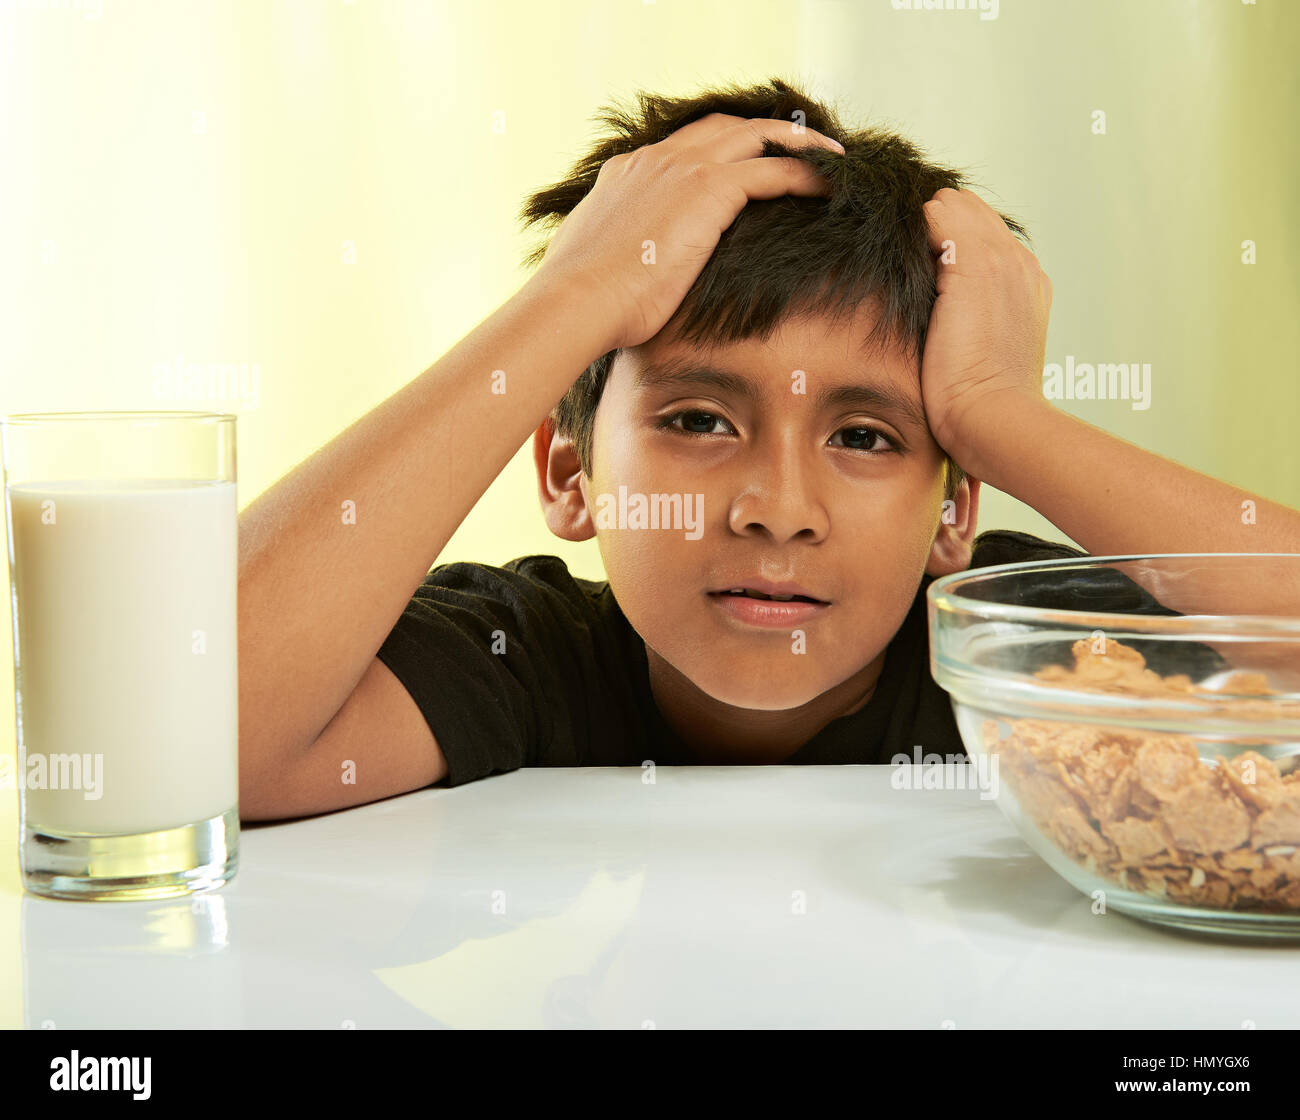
[784,256]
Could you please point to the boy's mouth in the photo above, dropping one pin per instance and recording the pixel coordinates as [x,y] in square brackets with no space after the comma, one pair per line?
[756,587]
[754,607]
[750,593]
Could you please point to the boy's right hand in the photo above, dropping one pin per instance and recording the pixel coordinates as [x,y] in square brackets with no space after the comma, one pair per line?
[680,194]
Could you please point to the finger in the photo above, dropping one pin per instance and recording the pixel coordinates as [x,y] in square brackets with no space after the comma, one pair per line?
[965,212]
[774,176]
[942,223]
[744,138]
[951,220]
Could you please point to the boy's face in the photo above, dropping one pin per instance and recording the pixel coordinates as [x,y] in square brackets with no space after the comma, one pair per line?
[782,488]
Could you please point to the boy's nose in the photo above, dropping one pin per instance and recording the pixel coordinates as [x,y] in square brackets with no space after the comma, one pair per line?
[780,502]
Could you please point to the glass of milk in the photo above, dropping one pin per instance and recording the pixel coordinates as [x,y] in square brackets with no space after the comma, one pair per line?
[123,576]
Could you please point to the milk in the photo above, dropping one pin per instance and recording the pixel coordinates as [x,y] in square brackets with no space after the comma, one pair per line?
[125,595]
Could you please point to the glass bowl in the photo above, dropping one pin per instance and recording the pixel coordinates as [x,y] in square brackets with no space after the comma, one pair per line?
[1138,718]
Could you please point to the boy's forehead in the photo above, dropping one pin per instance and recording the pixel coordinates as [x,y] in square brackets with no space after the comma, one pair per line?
[829,342]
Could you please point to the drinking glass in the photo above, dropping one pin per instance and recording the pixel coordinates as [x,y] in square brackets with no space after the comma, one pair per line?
[123,573]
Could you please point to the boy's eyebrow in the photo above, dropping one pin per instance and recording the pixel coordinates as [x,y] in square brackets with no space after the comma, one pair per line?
[871,395]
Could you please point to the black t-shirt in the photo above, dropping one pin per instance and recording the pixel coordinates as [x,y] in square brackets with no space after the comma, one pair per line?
[528,665]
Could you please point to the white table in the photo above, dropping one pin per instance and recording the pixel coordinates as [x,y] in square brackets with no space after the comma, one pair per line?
[718,896]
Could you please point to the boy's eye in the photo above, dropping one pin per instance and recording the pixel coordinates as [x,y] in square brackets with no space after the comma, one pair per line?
[861,437]
[707,419]
[873,436]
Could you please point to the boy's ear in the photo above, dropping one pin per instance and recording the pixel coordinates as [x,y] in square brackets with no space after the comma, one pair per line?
[561,485]
[951,550]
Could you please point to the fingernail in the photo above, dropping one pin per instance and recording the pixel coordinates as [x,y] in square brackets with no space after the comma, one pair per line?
[838,146]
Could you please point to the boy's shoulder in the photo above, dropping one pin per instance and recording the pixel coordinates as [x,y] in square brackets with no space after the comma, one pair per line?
[554,570]
[1105,589]
[537,592]
[538,571]
[1011,546]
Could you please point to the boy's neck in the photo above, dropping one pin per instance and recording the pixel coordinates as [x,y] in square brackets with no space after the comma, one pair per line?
[717,733]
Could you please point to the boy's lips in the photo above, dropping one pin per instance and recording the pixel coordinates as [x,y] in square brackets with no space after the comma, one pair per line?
[767,612]
[767,589]
[750,599]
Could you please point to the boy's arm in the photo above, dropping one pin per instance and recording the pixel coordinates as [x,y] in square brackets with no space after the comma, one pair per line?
[330,555]
[1113,497]
[981,379]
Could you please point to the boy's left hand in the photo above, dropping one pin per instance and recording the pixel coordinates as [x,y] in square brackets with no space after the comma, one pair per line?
[988,329]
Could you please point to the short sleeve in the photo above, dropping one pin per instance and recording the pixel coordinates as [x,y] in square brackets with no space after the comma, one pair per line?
[509,665]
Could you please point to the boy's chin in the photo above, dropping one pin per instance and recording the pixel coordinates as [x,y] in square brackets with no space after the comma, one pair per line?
[762,698]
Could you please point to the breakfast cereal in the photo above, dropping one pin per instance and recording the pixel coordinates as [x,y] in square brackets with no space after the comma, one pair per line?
[1144,810]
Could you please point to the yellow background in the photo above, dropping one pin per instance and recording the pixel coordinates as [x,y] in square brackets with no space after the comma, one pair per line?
[180,180]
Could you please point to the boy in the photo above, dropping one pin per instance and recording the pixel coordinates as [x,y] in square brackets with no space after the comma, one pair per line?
[794,361]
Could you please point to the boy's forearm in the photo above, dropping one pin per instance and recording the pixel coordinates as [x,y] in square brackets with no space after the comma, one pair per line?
[330,555]
[1115,498]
